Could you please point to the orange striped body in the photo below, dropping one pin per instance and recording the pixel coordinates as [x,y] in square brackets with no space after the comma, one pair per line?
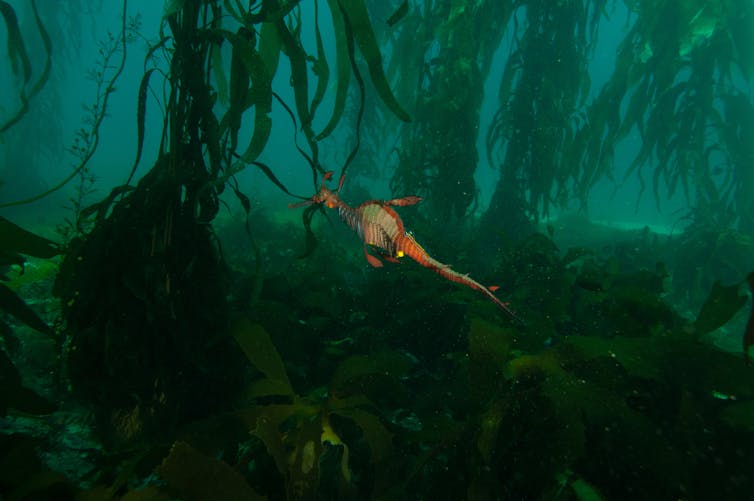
[380,227]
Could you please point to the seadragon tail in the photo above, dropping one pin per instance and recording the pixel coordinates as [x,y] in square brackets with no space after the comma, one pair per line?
[408,246]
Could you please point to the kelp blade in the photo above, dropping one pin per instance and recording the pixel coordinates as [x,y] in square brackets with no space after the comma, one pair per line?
[356,16]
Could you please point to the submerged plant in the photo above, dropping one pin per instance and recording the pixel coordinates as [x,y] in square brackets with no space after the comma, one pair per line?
[298,431]
[437,154]
[679,69]
[148,280]
[545,81]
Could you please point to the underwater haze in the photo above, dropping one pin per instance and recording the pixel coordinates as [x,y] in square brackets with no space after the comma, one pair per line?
[376,249]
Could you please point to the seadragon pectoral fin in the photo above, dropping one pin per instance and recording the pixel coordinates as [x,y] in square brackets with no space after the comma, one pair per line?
[371,259]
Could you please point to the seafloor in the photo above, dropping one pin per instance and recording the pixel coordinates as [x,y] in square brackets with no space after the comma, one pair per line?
[625,380]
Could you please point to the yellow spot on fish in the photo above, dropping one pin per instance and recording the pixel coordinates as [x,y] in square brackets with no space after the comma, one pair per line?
[399,253]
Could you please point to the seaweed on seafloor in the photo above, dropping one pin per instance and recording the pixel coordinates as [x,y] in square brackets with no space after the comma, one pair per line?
[655,393]
[278,444]
[305,426]
[637,378]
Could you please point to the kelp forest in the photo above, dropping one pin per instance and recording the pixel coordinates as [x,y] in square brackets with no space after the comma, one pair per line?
[258,306]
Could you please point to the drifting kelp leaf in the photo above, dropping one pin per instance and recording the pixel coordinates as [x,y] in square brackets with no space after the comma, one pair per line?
[262,67]
[13,238]
[723,302]
[239,83]
[258,348]
[141,111]
[268,172]
[319,65]
[15,306]
[16,48]
[357,19]
[193,475]
[343,67]
[299,74]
